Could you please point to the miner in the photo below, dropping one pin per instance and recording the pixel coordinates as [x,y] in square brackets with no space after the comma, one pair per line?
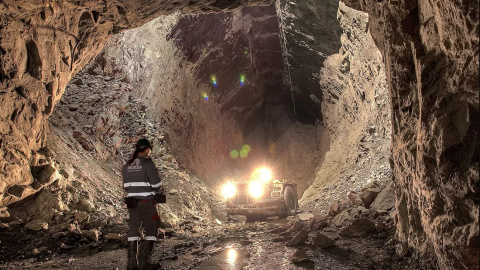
[141,183]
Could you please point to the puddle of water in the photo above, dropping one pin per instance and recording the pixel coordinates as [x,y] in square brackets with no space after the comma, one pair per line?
[231,258]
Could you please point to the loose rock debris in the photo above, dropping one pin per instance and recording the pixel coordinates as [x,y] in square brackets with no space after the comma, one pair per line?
[364,242]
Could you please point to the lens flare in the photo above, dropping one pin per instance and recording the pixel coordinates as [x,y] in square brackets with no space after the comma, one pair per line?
[229,190]
[205,96]
[243,153]
[246,147]
[234,154]
[213,78]
[242,79]
[255,189]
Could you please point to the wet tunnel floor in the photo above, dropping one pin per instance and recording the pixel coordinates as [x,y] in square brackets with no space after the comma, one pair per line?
[254,245]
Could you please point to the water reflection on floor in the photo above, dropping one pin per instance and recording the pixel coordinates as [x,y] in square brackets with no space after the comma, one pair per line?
[232,258]
[240,253]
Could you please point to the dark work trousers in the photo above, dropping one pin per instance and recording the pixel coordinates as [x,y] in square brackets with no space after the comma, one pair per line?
[145,215]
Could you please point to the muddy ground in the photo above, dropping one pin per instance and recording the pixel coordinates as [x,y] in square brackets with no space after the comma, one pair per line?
[236,245]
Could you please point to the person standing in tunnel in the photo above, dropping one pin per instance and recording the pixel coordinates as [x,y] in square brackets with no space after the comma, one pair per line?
[141,182]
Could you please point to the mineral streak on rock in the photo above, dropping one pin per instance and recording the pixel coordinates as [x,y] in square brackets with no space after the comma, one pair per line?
[310,33]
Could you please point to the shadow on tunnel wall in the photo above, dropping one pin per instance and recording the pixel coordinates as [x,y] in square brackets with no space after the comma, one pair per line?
[310,33]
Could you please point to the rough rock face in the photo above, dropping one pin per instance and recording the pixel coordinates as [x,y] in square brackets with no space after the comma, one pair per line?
[356,111]
[42,47]
[431,53]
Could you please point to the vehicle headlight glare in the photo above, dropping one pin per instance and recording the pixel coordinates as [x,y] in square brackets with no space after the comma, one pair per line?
[255,189]
[229,190]
[264,175]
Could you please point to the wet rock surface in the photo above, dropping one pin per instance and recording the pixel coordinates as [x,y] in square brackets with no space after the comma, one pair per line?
[305,241]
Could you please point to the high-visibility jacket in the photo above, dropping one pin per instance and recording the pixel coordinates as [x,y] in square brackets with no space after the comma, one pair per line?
[141,179]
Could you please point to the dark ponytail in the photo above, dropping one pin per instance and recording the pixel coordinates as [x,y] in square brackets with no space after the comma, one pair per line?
[134,156]
[141,145]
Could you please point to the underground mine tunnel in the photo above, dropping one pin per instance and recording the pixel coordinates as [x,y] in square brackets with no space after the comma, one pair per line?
[360,117]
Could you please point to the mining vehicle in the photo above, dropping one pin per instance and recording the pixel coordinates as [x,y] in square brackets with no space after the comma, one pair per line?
[260,195]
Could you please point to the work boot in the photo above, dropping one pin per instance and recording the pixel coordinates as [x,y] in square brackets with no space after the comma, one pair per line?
[144,255]
[132,255]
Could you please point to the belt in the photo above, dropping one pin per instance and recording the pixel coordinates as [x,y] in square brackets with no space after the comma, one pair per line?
[147,200]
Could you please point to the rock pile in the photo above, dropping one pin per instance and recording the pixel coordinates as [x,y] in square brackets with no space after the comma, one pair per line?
[368,213]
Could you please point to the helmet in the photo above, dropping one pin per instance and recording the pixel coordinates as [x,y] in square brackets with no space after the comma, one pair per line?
[143,144]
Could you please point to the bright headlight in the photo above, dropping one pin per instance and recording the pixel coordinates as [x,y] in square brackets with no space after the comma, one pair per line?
[229,190]
[255,189]
[263,175]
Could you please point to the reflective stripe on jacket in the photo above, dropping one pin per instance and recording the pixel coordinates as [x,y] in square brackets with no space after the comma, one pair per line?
[141,179]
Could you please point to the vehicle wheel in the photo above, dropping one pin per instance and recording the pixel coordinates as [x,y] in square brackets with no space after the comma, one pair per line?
[290,201]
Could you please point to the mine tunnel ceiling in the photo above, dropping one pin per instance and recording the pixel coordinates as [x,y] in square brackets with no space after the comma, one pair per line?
[247,68]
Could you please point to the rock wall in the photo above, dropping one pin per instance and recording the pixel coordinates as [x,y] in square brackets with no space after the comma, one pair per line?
[356,112]
[431,53]
[42,46]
